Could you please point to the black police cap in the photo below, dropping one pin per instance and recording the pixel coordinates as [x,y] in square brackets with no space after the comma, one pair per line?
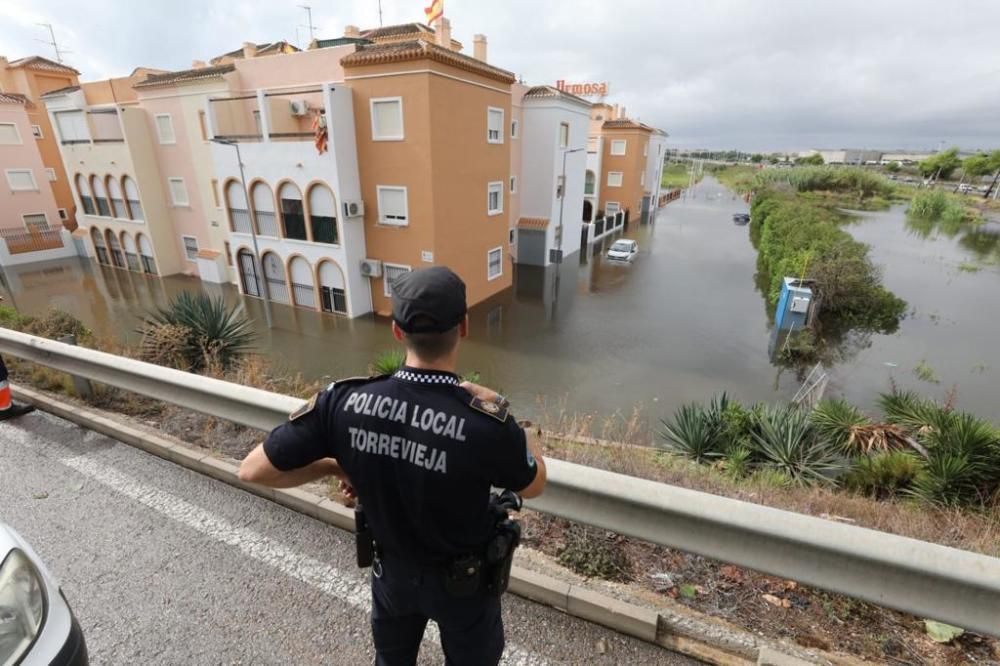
[428,300]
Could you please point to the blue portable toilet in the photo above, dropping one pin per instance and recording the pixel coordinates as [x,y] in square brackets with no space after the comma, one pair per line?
[793,305]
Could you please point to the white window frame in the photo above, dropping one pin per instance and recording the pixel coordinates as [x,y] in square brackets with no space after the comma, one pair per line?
[617,205]
[36,131]
[50,173]
[184,239]
[31,173]
[563,144]
[490,110]
[376,136]
[17,133]
[159,131]
[386,287]
[642,179]
[63,214]
[513,184]
[490,278]
[498,186]
[621,178]
[645,149]
[619,142]
[173,199]
[406,204]
[513,128]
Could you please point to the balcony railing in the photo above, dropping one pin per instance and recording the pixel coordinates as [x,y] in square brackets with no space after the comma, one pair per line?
[33,241]
[241,220]
[285,115]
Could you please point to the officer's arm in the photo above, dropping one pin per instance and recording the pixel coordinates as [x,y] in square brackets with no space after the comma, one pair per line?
[257,468]
[537,485]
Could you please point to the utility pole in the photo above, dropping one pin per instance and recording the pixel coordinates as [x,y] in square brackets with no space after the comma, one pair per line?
[309,14]
[54,44]
[380,13]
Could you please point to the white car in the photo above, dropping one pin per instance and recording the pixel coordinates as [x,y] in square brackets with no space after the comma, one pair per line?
[36,624]
[623,249]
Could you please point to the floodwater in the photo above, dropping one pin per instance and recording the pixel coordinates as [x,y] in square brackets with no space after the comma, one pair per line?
[682,323]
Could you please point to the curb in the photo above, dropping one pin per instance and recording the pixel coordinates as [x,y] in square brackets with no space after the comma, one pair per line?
[694,634]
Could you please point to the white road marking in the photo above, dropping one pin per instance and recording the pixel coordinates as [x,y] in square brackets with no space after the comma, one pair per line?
[350,589]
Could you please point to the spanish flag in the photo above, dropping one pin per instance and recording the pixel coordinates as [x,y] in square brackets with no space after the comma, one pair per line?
[435,11]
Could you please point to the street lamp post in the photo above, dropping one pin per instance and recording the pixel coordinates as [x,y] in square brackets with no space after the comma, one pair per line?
[258,265]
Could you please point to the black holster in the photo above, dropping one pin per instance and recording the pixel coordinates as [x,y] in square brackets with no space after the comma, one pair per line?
[506,538]
[364,541]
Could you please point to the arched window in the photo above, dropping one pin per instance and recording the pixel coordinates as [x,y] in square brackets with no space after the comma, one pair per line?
[274,274]
[323,215]
[132,197]
[131,253]
[332,296]
[293,218]
[248,274]
[588,183]
[117,258]
[263,210]
[239,212]
[100,196]
[99,246]
[86,200]
[302,282]
[117,201]
[146,254]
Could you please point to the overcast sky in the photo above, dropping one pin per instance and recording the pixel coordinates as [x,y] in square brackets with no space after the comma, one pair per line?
[747,74]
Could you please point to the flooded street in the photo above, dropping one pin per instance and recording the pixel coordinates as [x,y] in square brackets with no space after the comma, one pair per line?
[682,323]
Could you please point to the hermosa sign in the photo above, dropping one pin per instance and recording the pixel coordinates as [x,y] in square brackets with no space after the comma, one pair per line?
[583,89]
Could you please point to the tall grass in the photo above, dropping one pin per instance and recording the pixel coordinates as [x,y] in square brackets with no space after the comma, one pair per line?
[827,179]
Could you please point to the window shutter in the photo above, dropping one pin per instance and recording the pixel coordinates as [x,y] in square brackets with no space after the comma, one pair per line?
[9,135]
[21,180]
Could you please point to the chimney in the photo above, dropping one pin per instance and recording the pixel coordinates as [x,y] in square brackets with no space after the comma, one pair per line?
[443,32]
[352,31]
[479,47]
[614,114]
[249,49]
[623,116]
[198,64]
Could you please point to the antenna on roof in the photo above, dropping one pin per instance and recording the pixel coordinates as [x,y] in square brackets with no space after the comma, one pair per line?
[53,43]
[380,13]
[309,13]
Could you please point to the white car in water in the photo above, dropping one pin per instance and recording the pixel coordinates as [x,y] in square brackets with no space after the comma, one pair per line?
[36,624]
[623,249]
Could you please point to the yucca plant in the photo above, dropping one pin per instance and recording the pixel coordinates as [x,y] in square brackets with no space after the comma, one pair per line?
[218,334]
[786,440]
[836,420]
[738,462]
[964,463]
[691,434]
[950,479]
[388,361]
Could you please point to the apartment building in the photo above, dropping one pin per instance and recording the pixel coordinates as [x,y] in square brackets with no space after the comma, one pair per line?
[551,175]
[315,178]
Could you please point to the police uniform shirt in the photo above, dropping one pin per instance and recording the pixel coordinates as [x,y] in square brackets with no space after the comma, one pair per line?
[421,453]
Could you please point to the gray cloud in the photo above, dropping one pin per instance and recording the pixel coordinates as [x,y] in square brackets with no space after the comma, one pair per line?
[750,74]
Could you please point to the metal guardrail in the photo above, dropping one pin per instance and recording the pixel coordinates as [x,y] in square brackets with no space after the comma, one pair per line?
[925,579]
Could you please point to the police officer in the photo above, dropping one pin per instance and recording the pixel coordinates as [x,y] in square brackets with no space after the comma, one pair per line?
[420,449]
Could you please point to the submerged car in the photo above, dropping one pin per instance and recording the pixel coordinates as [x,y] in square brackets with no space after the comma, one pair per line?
[36,624]
[741,218]
[623,250]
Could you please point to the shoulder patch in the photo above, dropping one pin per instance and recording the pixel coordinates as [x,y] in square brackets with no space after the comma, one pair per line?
[496,410]
[304,409]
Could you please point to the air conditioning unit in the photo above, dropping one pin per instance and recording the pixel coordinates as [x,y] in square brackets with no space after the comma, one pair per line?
[354,208]
[299,107]
[371,268]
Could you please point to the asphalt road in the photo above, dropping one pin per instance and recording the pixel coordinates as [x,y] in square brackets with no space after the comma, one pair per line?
[165,566]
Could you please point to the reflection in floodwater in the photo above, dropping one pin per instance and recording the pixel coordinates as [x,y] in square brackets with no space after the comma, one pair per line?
[680,324]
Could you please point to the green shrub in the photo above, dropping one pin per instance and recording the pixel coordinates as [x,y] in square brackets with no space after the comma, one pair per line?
[919,416]
[964,462]
[595,553]
[388,361]
[738,462]
[862,182]
[216,334]
[11,318]
[884,475]
[786,440]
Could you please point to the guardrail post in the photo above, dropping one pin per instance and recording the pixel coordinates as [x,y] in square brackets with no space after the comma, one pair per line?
[82,386]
